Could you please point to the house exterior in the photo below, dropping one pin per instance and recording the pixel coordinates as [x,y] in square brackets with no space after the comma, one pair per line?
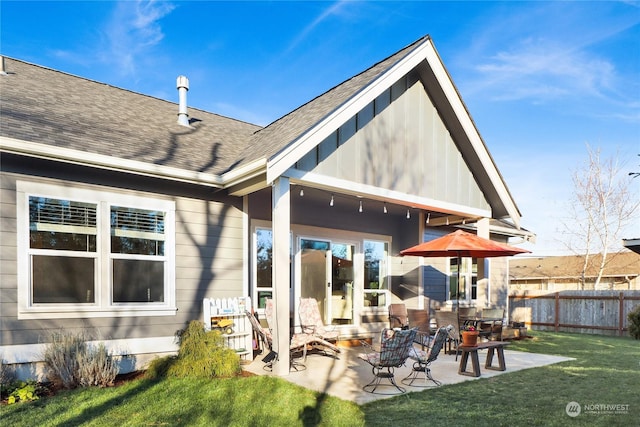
[564,273]
[118,220]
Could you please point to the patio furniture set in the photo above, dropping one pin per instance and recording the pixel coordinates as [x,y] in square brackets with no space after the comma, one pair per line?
[396,346]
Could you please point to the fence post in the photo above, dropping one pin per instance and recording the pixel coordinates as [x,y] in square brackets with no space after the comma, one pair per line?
[557,310]
[621,317]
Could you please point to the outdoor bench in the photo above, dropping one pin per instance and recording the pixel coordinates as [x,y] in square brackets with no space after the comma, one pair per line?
[472,351]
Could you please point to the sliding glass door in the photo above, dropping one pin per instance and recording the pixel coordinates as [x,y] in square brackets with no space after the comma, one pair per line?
[327,275]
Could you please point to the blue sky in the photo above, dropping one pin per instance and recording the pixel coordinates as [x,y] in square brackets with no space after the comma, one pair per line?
[541,79]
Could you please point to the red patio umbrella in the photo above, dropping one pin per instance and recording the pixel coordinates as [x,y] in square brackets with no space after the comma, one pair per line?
[462,244]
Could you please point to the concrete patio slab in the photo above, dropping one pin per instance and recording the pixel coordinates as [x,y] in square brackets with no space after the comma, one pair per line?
[344,377]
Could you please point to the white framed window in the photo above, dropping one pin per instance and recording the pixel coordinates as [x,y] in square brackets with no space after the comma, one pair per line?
[93,253]
[467,289]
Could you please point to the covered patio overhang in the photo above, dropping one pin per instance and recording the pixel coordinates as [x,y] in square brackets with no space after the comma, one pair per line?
[289,193]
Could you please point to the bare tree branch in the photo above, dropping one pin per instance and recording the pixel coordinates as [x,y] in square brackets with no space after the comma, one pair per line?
[601,207]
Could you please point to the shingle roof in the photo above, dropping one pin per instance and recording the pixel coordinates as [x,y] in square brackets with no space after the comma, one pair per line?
[51,107]
[277,135]
[617,264]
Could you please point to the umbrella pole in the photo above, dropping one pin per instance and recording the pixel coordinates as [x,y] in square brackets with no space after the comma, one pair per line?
[458,289]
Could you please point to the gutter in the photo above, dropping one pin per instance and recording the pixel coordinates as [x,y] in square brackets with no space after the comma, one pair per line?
[48,152]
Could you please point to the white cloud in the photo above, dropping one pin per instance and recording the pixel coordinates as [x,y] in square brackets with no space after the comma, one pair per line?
[554,52]
[332,10]
[541,70]
[132,30]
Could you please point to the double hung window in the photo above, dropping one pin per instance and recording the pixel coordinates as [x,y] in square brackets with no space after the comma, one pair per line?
[89,253]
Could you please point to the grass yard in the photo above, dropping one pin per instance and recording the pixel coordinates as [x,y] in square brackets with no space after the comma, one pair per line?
[606,372]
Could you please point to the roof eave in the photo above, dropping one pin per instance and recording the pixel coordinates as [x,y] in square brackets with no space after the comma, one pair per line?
[286,158]
[66,155]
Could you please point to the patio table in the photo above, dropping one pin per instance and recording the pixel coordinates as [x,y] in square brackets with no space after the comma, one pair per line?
[472,351]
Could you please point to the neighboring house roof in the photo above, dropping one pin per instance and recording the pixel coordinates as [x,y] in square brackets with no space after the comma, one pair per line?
[618,264]
[50,114]
[632,244]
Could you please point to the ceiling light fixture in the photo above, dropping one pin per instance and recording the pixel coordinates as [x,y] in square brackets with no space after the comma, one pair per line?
[384,208]
[408,214]
[331,202]
[360,208]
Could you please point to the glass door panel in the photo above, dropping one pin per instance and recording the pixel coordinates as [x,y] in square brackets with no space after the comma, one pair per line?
[342,273]
[313,274]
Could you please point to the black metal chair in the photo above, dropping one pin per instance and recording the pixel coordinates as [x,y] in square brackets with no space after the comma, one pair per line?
[395,346]
[424,358]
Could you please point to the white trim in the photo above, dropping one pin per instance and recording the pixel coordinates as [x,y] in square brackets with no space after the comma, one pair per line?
[84,158]
[471,131]
[281,271]
[382,194]
[101,307]
[246,243]
[283,161]
[29,353]
[243,173]
[45,151]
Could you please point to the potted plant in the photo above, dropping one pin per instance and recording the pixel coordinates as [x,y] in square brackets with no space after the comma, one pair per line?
[470,336]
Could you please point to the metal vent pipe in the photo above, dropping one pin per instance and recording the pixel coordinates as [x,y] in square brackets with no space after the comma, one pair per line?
[183,86]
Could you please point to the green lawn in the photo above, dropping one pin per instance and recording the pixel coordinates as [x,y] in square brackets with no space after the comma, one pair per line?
[606,372]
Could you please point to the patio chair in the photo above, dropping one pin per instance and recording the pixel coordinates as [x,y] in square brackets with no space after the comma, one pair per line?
[398,316]
[492,326]
[444,319]
[419,319]
[302,341]
[267,340]
[395,346]
[311,321]
[423,358]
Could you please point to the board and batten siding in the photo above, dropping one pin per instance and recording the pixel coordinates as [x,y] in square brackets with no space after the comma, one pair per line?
[209,263]
[399,142]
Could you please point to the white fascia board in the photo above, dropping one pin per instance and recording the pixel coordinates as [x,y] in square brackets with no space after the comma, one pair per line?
[472,133]
[83,158]
[341,186]
[279,164]
[243,173]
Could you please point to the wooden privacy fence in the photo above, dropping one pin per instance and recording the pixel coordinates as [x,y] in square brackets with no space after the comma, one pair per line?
[591,312]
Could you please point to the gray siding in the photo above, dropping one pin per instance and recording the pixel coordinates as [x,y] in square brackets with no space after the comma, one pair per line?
[209,248]
[405,147]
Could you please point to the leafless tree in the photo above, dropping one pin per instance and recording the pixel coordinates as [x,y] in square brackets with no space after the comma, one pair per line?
[601,207]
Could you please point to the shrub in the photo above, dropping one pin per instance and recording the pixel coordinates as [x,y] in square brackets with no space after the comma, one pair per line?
[62,356]
[23,391]
[96,367]
[7,376]
[6,373]
[72,362]
[202,354]
[634,322]
[158,367]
